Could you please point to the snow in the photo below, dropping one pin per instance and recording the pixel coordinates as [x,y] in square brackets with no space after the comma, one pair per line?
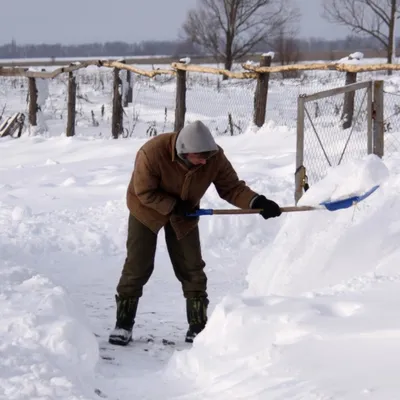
[304,306]
[357,55]
[269,54]
[252,63]
[354,178]
[185,60]
[123,74]
[353,59]
[257,64]
[42,86]
[47,348]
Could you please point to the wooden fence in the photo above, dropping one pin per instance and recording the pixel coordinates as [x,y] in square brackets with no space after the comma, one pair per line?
[259,73]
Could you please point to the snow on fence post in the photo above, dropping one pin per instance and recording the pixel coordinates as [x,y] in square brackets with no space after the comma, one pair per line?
[378,119]
[33,106]
[180,106]
[42,86]
[118,111]
[261,93]
[71,104]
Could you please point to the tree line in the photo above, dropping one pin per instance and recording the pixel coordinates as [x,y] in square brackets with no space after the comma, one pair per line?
[174,48]
[229,30]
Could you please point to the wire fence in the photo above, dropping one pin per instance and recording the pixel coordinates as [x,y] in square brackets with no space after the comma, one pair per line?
[227,106]
[331,133]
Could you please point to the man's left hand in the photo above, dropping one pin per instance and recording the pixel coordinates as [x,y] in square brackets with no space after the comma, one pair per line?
[269,208]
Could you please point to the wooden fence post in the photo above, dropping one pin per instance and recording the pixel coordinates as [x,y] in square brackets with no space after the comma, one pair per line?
[370,123]
[261,93]
[126,91]
[348,105]
[71,104]
[129,92]
[300,173]
[33,106]
[180,106]
[118,111]
[378,119]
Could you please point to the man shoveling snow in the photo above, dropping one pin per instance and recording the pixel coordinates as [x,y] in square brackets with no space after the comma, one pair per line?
[172,173]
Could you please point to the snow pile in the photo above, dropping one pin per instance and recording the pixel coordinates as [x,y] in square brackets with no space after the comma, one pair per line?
[47,351]
[354,58]
[317,347]
[351,179]
[307,325]
[330,247]
[185,60]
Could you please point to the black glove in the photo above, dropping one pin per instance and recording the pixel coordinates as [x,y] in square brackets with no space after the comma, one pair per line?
[184,207]
[269,208]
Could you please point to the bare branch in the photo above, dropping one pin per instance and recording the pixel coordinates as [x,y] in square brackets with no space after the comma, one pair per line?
[232,28]
[3,111]
[381,12]
[203,31]
[373,18]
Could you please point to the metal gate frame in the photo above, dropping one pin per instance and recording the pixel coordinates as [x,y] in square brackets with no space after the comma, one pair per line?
[375,124]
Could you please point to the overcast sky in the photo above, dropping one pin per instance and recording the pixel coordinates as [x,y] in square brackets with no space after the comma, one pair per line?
[80,21]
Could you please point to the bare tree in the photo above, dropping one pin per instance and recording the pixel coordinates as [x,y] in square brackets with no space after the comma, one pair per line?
[230,29]
[375,18]
[287,49]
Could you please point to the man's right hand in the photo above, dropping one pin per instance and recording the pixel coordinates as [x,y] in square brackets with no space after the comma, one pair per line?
[183,207]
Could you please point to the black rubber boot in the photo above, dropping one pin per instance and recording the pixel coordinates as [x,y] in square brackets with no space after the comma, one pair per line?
[126,313]
[196,312]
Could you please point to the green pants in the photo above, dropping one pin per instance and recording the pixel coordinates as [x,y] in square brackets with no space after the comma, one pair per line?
[185,255]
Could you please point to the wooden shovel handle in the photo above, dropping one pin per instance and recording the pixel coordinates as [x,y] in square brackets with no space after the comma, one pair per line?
[257,211]
[298,208]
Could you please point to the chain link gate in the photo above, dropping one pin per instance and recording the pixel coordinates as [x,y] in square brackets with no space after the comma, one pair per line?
[335,125]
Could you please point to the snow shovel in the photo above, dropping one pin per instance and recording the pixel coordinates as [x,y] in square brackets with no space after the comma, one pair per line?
[326,205]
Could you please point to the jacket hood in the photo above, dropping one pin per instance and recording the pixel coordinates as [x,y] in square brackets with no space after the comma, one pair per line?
[195,138]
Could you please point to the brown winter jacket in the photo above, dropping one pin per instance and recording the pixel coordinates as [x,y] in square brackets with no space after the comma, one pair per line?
[160,177]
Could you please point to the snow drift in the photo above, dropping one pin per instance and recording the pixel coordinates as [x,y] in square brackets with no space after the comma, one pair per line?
[47,350]
[320,317]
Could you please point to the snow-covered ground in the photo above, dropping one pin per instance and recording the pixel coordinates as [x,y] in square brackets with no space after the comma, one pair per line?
[302,307]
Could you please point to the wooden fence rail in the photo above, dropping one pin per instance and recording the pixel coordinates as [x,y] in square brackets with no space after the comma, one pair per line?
[260,73]
[15,71]
[252,74]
